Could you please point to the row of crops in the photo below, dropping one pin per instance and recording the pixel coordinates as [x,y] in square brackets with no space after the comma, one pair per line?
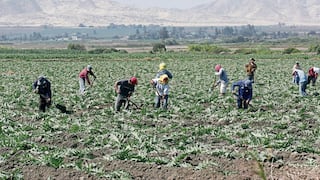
[198,122]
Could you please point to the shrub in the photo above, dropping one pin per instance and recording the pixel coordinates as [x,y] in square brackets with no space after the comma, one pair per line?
[207,48]
[77,47]
[103,50]
[315,48]
[171,42]
[158,47]
[96,51]
[290,50]
[245,51]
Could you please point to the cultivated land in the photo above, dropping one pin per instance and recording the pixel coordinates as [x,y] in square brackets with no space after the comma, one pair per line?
[201,136]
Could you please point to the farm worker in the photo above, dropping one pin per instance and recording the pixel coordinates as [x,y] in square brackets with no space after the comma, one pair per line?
[223,79]
[244,95]
[295,66]
[161,86]
[84,76]
[42,86]
[295,78]
[301,76]
[250,69]
[124,89]
[313,75]
[163,70]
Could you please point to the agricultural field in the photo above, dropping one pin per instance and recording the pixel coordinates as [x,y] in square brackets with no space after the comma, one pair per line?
[201,136]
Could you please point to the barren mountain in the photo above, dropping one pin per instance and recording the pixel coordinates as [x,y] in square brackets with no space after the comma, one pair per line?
[104,12]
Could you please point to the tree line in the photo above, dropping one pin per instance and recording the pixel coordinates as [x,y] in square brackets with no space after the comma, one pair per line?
[228,34]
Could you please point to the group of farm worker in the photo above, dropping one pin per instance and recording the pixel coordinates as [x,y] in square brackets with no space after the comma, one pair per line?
[160,83]
[123,88]
[42,86]
[301,79]
[242,89]
[244,94]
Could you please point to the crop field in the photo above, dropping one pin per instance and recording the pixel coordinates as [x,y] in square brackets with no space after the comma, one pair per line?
[201,136]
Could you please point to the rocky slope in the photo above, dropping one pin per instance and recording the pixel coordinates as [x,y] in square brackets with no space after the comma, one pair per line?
[104,12]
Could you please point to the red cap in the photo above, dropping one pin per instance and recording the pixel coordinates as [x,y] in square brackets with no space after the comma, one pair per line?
[134,80]
[217,67]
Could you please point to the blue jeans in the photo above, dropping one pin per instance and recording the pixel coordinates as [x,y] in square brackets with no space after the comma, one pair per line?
[302,88]
[158,101]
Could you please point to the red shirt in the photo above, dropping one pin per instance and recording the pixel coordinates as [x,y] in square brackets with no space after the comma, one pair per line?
[312,73]
[84,74]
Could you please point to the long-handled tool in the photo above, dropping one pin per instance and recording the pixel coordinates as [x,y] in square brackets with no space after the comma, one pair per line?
[129,101]
[138,107]
[91,83]
[158,94]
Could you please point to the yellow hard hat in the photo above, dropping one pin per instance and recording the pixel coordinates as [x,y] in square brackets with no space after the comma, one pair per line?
[162,66]
[164,79]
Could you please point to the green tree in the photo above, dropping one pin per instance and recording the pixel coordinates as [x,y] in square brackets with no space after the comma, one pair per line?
[158,47]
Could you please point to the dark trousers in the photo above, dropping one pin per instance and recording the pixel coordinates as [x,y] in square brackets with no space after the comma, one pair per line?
[242,103]
[43,103]
[312,79]
[120,100]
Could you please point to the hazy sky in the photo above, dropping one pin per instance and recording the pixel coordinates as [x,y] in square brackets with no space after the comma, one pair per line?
[181,4]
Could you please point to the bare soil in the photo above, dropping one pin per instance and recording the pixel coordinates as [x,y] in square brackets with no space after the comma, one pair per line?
[225,169]
[282,165]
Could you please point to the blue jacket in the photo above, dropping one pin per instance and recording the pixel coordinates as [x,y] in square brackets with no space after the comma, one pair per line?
[164,71]
[244,89]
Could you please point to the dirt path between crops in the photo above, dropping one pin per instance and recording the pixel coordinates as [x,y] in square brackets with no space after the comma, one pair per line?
[224,169]
[282,165]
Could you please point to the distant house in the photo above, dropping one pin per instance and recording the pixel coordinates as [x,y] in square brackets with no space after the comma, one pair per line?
[74,38]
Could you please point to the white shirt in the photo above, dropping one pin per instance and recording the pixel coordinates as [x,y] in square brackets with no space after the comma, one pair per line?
[162,89]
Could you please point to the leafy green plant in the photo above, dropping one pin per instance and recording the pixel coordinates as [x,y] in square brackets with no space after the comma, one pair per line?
[197,123]
[54,161]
